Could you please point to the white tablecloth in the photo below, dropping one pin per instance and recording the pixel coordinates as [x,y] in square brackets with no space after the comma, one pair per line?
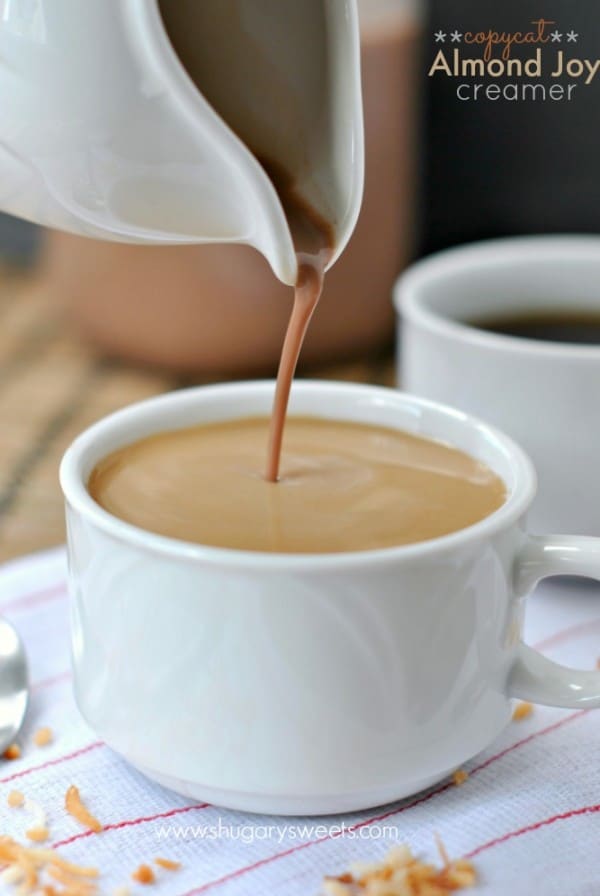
[529,813]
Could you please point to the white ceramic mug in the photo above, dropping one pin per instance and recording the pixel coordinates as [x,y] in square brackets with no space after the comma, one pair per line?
[546,395]
[308,683]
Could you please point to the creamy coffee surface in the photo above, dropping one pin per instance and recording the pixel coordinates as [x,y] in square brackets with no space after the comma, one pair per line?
[342,487]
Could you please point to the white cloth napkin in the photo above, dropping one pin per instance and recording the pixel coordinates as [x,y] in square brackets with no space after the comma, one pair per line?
[529,813]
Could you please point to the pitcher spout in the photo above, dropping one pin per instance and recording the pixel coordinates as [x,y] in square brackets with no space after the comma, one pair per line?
[106,133]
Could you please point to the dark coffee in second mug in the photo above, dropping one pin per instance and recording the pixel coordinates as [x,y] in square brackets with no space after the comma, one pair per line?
[543,390]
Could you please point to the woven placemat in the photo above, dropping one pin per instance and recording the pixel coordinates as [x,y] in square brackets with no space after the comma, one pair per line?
[52,386]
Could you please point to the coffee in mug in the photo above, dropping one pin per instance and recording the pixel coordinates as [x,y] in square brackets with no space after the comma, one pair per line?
[344,486]
[553,325]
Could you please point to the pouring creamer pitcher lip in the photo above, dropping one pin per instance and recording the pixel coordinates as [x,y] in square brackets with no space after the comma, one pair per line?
[134,152]
[159,55]
[273,236]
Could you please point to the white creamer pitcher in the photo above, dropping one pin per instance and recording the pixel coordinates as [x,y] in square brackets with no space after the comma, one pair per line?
[112,129]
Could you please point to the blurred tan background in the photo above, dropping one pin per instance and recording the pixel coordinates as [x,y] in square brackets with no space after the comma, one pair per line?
[86,328]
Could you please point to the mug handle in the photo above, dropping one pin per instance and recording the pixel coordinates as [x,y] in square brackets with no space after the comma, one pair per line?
[534,677]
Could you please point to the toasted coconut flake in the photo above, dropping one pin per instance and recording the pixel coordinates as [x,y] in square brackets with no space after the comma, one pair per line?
[168,864]
[144,875]
[76,889]
[460,776]
[15,799]
[27,863]
[71,881]
[12,752]
[79,812]
[43,737]
[8,851]
[33,870]
[443,853]
[332,886]
[12,875]
[343,878]
[38,835]
[400,856]
[401,874]
[76,870]
[522,711]
[122,891]
[462,874]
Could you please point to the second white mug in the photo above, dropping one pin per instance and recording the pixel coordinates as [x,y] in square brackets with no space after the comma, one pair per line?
[546,395]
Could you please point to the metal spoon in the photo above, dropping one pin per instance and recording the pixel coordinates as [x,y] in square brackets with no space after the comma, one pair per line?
[14,688]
